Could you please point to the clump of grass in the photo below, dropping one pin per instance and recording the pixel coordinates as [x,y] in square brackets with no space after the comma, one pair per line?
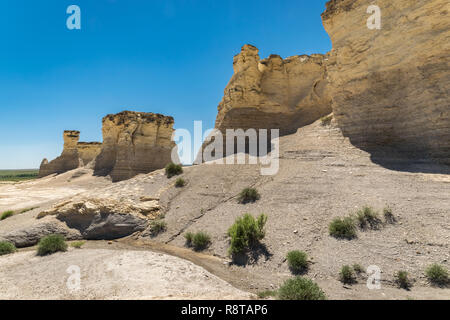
[28,209]
[77,244]
[267,294]
[358,268]
[246,232]
[437,274]
[347,275]
[180,183]
[7,247]
[389,216]
[248,195]
[199,241]
[343,228]
[402,279]
[157,227]
[6,214]
[367,217]
[173,169]
[300,288]
[326,120]
[51,244]
[297,261]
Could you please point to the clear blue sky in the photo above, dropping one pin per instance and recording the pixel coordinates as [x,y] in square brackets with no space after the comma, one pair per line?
[167,56]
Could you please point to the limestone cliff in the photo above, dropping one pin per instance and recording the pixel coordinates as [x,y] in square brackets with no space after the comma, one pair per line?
[88,151]
[74,155]
[274,93]
[390,87]
[133,143]
[68,159]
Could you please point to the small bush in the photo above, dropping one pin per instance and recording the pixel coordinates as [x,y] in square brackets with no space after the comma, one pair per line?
[267,294]
[77,244]
[51,244]
[173,169]
[248,195]
[180,183]
[358,268]
[157,226]
[189,236]
[401,278]
[201,241]
[343,228]
[297,261]
[389,216]
[437,274]
[6,214]
[300,288]
[7,247]
[347,275]
[246,232]
[367,217]
[326,120]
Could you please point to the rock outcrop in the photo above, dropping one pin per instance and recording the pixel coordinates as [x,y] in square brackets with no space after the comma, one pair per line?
[274,93]
[134,143]
[390,86]
[75,154]
[88,151]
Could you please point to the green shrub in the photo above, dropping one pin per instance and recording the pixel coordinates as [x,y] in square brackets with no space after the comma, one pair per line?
[173,169]
[77,244]
[367,217]
[157,226]
[388,215]
[347,275]
[266,294]
[401,278]
[180,183]
[358,268]
[297,261]
[326,120]
[343,228]
[189,236]
[300,288]
[201,241]
[7,214]
[51,244]
[246,232]
[437,274]
[248,195]
[7,247]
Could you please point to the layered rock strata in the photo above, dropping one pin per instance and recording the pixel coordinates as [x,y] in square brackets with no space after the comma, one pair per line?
[75,154]
[274,93]
[134,143]
[390,86]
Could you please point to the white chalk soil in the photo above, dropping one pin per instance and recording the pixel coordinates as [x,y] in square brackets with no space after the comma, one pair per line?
[108,274]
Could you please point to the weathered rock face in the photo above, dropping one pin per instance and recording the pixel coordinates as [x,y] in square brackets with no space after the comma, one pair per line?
[88,151]
[391,86]
[274,93]
[133,143]
[75,154]
[69,157]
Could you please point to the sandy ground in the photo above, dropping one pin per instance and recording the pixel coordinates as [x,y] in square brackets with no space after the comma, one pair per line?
[322,176]
[108,274]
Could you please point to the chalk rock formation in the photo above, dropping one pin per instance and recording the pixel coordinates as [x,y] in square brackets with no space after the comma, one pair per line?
[133,143]
[274,93]
[68,160]
[390,86]
[88,151]
[75,154]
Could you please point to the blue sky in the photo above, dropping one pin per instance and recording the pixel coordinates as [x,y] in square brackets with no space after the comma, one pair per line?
[168,56]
